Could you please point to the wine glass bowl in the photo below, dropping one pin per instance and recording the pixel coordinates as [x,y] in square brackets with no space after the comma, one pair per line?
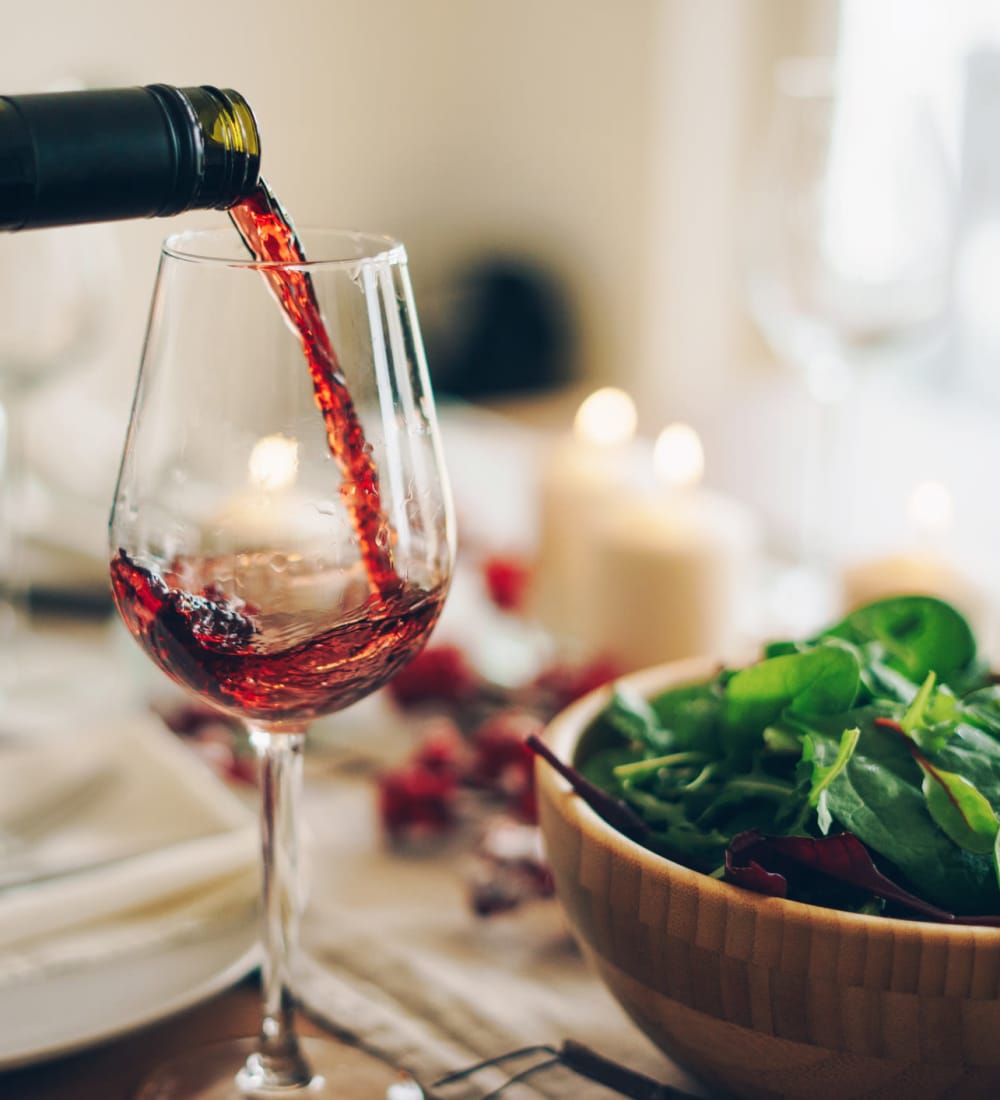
[230,511]
[849,228]
[282,536]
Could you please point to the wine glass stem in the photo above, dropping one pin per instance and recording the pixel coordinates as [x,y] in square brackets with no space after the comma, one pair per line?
[278,1063]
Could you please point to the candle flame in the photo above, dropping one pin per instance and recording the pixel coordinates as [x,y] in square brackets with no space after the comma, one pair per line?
[930,508]
[678,457]
[274,462]
[606,418]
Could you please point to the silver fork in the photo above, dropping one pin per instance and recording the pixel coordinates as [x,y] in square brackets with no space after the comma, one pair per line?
[573,1056]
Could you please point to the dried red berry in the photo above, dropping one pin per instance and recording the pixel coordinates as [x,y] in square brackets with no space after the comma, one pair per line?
[415,800]
[503,761]
[443,750]
[564,683]
[499,745]
[507,581]
[440,673]
[508,869]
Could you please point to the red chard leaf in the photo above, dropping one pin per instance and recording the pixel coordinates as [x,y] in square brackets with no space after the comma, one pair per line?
[753,857]
[752,876]
[615,812]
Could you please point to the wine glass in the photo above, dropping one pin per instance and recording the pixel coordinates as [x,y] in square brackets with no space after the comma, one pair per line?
[282,540]
[848,252]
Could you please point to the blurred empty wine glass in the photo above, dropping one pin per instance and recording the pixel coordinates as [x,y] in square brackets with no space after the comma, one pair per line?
[848,255]
[53,312]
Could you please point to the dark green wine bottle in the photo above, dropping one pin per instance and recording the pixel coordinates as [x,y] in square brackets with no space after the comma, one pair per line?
[67,158]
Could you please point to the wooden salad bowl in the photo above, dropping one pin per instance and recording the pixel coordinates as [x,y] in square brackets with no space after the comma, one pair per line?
[759,996]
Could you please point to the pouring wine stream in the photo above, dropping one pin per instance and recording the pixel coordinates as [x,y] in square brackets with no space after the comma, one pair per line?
[269,235]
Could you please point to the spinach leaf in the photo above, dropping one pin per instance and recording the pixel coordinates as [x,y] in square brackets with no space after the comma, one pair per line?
[961,810]
[884,682]
[916,635]
[982,708]
[600,768]
[930,716]
[824,774]
[975,754]
[684,717]
[701,849]
[940,721]
[878,796]
[692,713]
[654,810]
[634,719]
[822,680]
[915,714]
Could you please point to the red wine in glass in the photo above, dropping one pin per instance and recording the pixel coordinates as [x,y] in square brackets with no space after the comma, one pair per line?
[248,662]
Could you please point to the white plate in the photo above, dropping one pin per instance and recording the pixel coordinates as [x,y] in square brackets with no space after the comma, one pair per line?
[60,1013]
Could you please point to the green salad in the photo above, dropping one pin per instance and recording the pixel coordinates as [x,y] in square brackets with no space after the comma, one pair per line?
[859,768]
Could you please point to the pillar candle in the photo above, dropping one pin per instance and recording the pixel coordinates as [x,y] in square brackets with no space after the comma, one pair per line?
[671,570]
[582,473]
[921,566]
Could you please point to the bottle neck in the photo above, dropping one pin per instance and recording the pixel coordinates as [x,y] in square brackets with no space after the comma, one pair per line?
[102,155]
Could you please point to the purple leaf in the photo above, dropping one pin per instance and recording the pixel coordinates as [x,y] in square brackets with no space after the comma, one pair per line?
[753,876]
[754,858]
[615,812]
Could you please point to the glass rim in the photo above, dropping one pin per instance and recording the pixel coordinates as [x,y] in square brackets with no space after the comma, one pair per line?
[326,247]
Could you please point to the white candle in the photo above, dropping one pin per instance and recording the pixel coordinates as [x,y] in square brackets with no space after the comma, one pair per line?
[671,569]
[921,569]
[581,474]
[264,531]
[263,515]
[268,513]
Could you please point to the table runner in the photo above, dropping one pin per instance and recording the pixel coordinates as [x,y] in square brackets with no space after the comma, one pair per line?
[395,958]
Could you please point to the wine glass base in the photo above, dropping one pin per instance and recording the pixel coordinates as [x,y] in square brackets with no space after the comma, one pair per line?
[209,1073]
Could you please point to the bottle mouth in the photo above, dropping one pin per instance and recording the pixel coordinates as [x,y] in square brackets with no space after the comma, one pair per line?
[216,146]
[232,148]
[324,248]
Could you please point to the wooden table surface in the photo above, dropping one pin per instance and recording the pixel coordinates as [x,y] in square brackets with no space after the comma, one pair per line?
[113,1070]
